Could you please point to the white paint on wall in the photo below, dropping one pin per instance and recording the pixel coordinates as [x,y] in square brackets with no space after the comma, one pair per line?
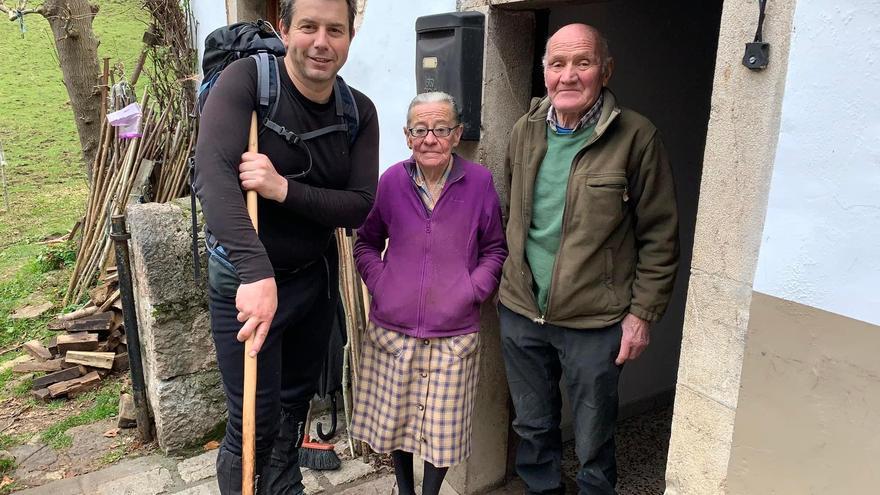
[209,15]
[381,64]
[821,243]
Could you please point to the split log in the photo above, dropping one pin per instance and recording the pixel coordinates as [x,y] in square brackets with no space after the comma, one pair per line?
[116,322]
[58,376]
[79,313]
[87,323]
[111,301]
[102,360]
[120,362]
[41,395]
[47,366]
[37,351]
[77,342]
[100,294]
[99,323]
[76,386]
[53,346]
[127,413]
[114,339]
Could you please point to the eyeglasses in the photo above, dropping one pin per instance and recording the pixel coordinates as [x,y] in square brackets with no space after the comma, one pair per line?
[440,132]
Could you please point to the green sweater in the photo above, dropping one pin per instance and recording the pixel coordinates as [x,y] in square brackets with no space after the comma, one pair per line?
[551,186]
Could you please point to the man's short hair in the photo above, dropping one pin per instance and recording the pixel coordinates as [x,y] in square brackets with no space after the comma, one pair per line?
[601,47]
[288,8]
[434,97]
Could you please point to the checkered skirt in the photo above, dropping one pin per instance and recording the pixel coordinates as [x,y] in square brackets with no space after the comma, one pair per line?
[417,395]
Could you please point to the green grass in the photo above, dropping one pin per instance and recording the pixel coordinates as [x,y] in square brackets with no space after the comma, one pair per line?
[46,273]
[7,441]
[114,455]
[103,404]
[47,186]
[45,174]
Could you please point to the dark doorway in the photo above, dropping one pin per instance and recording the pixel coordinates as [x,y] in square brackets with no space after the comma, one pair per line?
[271,13]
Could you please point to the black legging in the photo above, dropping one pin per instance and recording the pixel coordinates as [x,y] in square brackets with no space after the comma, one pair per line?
[288,367]
[403,471]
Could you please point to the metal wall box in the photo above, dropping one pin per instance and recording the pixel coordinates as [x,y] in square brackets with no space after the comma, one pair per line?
[449,58]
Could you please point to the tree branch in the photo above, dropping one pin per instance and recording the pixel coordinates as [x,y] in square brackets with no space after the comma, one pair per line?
[15,14]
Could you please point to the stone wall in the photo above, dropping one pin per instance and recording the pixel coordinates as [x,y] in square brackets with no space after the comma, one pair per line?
[183,384]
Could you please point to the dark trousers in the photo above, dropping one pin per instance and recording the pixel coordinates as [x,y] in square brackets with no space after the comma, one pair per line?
[536,357]
[288,368]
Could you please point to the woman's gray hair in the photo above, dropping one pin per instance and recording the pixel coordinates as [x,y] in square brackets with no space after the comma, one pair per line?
[434,97]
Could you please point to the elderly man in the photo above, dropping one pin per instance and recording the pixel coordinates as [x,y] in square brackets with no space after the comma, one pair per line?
[593,239]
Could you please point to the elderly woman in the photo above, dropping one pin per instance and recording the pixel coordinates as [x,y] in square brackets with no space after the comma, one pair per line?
[441,218]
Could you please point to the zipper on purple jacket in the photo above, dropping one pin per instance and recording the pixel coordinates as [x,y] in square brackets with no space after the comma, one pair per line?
[419,324]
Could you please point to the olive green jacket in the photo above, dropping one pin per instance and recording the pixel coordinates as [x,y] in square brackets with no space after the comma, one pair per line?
[618,249]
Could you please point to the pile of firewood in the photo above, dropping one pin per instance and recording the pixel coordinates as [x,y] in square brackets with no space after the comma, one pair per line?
[89,345]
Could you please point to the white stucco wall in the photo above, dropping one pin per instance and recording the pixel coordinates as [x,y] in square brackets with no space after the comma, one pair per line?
[821,244]
[381,64]
[209,15]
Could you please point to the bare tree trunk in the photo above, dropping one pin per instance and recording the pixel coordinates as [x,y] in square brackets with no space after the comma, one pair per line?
[71,22]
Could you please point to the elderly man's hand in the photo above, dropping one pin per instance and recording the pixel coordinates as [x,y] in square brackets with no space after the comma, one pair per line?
[636,337]
[256,303]
[257,173]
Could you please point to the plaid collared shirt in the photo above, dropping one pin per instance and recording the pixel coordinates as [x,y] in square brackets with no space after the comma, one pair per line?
[422,185]
[589,119]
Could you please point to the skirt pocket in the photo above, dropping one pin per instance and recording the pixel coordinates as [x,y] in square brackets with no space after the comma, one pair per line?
[387,340]
[464,345]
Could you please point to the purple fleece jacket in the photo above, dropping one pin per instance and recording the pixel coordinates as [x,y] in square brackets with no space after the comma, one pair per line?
[437,268]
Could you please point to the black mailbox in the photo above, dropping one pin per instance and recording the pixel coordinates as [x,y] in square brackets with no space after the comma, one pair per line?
[449,58]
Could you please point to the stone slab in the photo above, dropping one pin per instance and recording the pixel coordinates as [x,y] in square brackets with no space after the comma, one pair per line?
[69,486]
[351,470]
[378,486]
[125,469]
[199,467]
[311,482]
[153,482]
[207,488]
[34,462]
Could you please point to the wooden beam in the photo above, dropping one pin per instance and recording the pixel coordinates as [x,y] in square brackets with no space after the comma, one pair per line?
[37,350]
[100,322]
[77,342]
[102,360]
[47,366]
[86,383]
[41,395]
[120,362]
[58,376]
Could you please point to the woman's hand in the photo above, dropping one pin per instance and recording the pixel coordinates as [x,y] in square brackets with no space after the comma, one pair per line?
[257,173]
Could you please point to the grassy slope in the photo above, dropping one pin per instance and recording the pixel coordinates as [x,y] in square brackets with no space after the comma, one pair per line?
[45,175]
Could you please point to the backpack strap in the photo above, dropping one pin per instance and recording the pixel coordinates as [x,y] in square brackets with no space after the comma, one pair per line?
[268,83]
[346,108]
[349,109]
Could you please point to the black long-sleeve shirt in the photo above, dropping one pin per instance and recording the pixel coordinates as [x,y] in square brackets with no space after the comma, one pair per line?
[337,192]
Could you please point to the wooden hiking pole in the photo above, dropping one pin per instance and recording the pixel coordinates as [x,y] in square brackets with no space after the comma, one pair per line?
[249,402]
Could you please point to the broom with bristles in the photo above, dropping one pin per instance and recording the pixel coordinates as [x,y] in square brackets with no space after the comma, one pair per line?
[316,455]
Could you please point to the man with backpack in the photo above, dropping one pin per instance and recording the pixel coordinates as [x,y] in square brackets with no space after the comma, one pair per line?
[316,170]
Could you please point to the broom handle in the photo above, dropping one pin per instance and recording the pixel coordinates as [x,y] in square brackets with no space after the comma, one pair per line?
[249,402]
